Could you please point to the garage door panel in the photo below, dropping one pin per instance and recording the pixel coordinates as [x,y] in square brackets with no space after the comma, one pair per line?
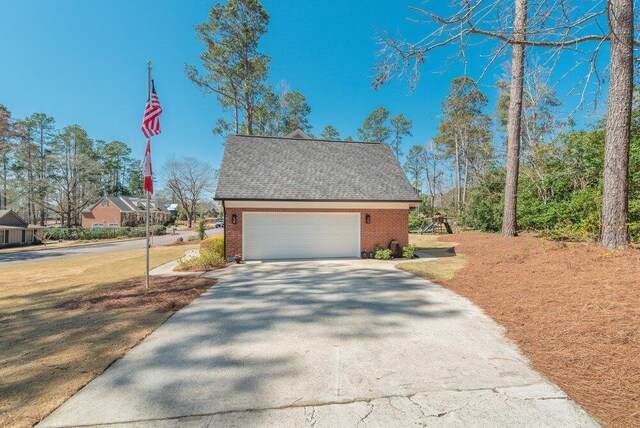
[300,235]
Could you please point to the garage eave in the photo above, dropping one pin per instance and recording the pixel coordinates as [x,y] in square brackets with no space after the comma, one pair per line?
[319,204]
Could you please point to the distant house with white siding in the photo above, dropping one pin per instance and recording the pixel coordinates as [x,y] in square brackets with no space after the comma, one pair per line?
[15,231]
[116,211]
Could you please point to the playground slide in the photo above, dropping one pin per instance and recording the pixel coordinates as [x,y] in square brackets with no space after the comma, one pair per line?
[425,229]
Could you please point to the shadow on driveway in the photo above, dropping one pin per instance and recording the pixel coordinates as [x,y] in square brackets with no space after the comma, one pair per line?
[288,335]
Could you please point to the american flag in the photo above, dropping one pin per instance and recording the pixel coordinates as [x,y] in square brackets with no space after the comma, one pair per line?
[152,111]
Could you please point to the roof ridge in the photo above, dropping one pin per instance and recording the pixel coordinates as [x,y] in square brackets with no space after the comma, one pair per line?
[306,140]
[127,202]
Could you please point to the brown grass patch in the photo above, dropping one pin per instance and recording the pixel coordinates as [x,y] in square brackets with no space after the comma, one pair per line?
[574,309]
[63,322]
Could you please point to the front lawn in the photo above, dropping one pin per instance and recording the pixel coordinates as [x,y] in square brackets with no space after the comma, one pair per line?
[65,321]
[445,267]
[574,310]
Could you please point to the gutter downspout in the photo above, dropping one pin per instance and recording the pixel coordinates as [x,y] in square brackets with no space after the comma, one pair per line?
[224,230]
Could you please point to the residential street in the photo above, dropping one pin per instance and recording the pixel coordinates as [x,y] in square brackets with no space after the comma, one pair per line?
[98,248]
[323,343]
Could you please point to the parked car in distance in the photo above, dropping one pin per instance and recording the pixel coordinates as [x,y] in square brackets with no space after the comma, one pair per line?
[220,223]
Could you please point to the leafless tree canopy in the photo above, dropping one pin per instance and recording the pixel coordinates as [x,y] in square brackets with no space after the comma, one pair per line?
[577,27]
[190,181]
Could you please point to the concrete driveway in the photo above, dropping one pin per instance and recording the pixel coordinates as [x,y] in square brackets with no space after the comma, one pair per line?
[323,344]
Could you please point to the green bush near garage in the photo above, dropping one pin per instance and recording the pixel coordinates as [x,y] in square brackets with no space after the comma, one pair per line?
[382,254]
[211,256]
[408,251]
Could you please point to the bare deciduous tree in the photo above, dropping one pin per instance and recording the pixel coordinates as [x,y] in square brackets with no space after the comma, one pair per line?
[190,181]
[75,172]
[5,150]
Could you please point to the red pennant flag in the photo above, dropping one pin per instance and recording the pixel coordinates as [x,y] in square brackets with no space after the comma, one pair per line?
[147,170]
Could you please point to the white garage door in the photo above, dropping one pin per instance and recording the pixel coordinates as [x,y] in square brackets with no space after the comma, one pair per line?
[300,235]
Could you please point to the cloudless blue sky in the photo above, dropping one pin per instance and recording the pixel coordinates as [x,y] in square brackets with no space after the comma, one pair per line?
[84,62]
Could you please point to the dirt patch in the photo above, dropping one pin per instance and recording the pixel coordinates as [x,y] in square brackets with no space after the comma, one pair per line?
[574,309]
[165,294]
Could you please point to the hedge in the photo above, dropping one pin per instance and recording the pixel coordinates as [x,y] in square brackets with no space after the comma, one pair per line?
[72,234]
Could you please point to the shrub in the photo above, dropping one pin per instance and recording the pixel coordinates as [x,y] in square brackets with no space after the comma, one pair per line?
[214,244]
[72,233]
[408,251]
[485,203]
[205,261]
[567,235]
[382,254]
[211,256]
[202,227]
[417,220]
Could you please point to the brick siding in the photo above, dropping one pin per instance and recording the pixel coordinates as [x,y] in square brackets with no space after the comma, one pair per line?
[101,214]
[386,224]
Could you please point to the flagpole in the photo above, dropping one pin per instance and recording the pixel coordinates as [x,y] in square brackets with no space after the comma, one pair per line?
[146,191]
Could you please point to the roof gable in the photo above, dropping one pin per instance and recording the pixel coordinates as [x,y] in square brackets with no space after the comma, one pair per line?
[298,134]
[275,168]
[10,218]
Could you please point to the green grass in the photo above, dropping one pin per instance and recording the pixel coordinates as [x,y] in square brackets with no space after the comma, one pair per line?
[445,267]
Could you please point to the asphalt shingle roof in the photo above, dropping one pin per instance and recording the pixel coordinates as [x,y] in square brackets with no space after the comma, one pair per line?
[127,204]
[10,218]
[275,168]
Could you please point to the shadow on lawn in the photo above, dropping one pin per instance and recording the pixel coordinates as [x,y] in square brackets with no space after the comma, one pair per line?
[439,251]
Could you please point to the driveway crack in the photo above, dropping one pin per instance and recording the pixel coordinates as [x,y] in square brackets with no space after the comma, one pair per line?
[312,417]
[370,406]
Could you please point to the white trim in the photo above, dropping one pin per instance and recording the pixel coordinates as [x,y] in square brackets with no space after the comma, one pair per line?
[244,213]
[319,205]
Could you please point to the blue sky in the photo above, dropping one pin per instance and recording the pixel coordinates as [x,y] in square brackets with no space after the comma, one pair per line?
[84,62]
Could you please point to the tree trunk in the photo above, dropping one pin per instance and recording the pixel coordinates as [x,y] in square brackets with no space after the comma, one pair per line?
[466,180]
[434,179]
[457,151]
[235,117]
[248,102]
[509,220]
[43,175]
[3,197]
[615,232]
[249,119]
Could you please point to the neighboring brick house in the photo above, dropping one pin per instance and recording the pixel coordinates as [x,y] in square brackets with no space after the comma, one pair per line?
[115,211]
[15,231]
[297,197]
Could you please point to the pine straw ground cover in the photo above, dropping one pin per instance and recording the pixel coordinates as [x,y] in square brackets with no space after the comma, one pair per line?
[59,334]
[574,310]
